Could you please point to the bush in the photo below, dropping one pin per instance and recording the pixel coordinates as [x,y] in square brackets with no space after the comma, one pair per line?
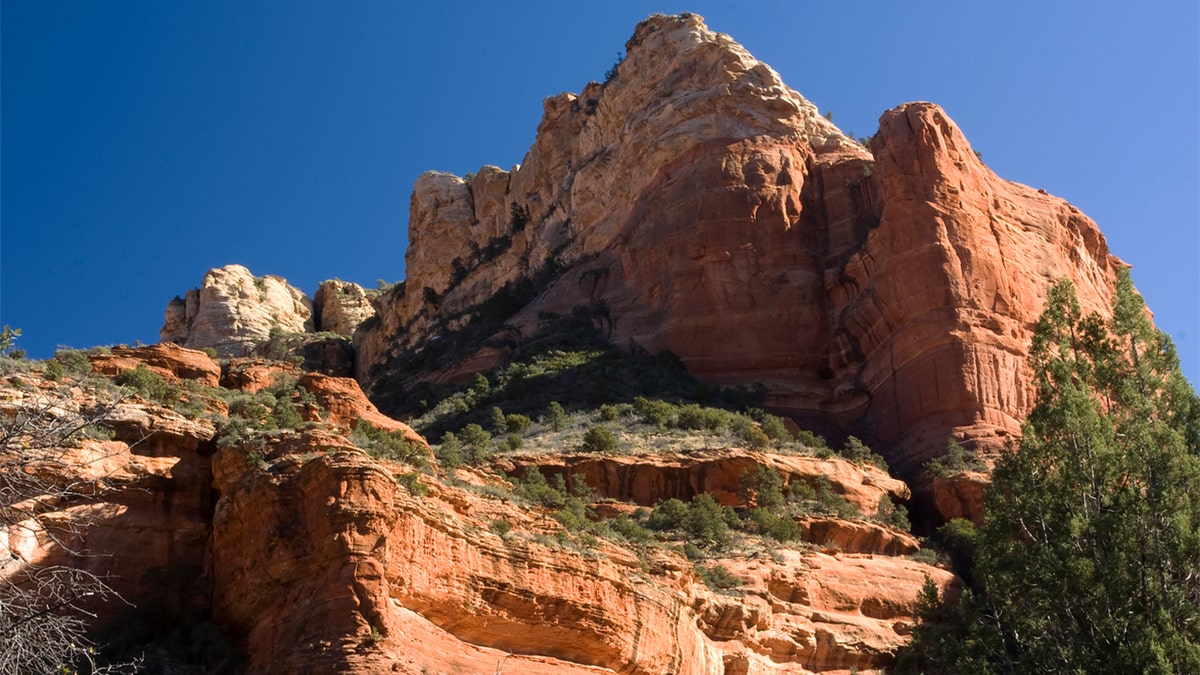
[956,460]
[501,526]
[857,452]
[775,429]
[608,412]
[668,515]
[656,412]
[600,439]
[147,384]
[449,453]
[692,416]
[717,577]
[831,503]
[515,423]
[763,487]
[390,445]
[499,424]
[476,444]
[810,440]
[772,525]
[556,417]
[630,530]
[892,514]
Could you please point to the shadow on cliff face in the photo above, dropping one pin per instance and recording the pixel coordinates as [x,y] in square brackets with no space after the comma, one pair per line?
[571,362]
[171,629]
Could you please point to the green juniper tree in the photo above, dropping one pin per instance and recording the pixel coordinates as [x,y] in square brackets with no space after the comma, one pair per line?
[1089,557]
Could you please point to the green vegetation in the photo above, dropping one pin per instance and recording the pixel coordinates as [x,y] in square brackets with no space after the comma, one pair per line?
[390,445]
[1087,560]
[956,460]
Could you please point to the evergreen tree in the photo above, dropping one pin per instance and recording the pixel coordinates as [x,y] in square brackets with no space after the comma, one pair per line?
[1089,557]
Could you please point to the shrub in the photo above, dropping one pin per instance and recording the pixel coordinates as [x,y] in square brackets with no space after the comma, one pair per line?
[956,460]
[383,444]
[499,424]
[668,514]
[75,363]
[693,416]
[501,526]
[706,520]
[717,577]
[449,453]
[599,439]
[810,440]
[831,503]
[513,443]
[763,487]
[411,481]
[556,417]
[147,384]
[608,412]
[772,525]
[630,529]
[53,371]
[857,452]
[656,412]
[515,423]
[754,437]
[775,429]
[476,444]
[892,514]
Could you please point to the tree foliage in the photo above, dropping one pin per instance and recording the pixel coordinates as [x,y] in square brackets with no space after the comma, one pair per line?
[1089,556]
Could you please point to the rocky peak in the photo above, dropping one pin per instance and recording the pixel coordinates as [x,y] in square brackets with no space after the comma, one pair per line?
[233,311]
[695,203]
[340,306]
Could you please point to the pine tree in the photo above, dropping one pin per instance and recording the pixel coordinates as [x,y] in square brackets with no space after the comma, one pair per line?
[1089,557]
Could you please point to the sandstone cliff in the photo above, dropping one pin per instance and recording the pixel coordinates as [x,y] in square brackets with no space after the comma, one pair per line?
[697,204]
[312,555]
[233,311]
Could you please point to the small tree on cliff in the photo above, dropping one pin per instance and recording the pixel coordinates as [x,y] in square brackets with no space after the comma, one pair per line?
[1089,557]
[43,615]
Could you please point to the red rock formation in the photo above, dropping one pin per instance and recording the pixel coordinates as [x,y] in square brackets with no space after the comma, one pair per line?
[169,360]
[854,536]
[255,374]
[960,495]
[889,293]
[346,404]
[649,479]
[321,561]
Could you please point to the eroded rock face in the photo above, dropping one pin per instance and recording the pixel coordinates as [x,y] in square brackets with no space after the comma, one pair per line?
[695,203]
[317,558]
[169,360]
[233,311]
[650,479]
[340,306]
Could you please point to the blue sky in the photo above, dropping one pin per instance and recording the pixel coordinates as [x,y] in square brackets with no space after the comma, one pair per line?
[142,143]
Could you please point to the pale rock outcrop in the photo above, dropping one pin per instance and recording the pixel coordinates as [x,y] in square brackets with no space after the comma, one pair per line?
[340,306]
[233,311]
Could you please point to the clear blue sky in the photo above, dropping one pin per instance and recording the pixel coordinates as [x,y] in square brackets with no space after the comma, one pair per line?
[143,142]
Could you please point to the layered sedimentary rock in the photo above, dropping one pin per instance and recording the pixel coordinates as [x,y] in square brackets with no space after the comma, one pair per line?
[340,306]
[168,360]
[697,204]
[650,479]
[315,557]
[233,311]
